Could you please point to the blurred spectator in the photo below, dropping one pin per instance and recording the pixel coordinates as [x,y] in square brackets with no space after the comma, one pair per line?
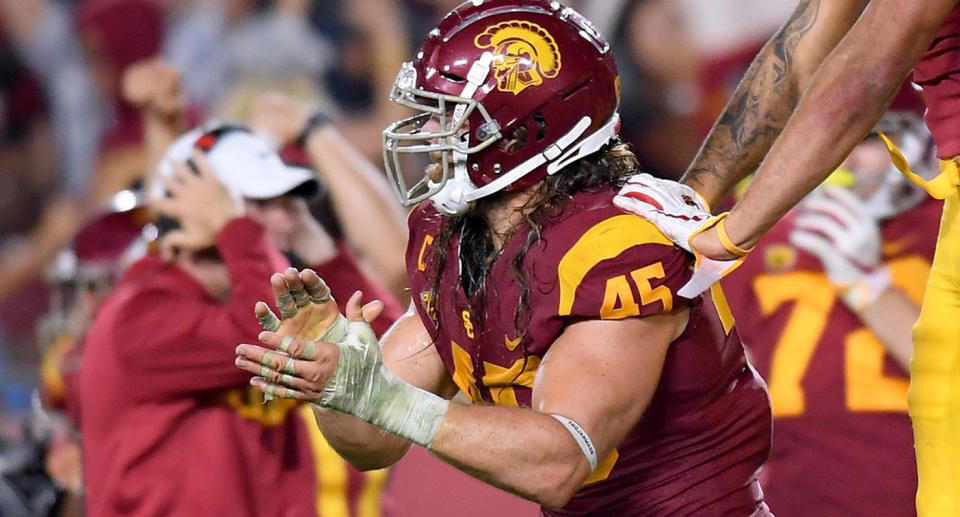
[224,43]
[342,55]
[825,305]
[373,222]
[360,200]
[159,354]
[79,57]
[371,57]
[658,61]
[25,139]
[80,279]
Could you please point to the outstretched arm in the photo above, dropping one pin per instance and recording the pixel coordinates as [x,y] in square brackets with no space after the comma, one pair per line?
[766,97]
[603,388]
[847,96]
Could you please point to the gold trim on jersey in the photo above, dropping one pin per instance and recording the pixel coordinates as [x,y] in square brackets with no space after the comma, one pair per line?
[463,375]
[501,380]
[249,403]
[723,308]
[604,240]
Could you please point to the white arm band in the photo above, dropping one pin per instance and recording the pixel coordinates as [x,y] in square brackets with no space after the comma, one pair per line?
[582,438]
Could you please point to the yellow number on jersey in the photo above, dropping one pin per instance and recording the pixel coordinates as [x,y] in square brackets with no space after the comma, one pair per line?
[618,299]
[813,296]
[463,375]
[650,294]
[866,386]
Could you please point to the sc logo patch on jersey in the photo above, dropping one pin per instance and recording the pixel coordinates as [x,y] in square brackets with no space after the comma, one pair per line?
[524,54]
[429,303]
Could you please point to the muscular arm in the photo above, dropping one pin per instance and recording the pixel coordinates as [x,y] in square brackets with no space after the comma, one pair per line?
[765,99]
[891,318]
[597,374]
[846,97]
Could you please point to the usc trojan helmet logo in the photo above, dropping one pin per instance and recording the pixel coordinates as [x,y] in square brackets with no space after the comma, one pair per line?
[524,54]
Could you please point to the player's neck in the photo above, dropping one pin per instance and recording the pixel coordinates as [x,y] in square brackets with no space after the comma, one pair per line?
[505,213]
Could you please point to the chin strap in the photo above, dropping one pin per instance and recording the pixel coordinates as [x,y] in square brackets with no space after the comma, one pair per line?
[459,192]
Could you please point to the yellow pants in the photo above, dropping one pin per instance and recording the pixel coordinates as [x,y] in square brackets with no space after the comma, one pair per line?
[934,397]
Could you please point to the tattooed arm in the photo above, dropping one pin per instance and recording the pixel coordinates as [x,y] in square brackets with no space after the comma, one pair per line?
[845,98]
[765,99]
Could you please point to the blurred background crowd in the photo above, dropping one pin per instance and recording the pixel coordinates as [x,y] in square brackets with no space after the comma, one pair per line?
[93,91]
[71,140]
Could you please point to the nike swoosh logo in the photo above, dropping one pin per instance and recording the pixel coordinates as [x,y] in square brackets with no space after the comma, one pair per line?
[512,344]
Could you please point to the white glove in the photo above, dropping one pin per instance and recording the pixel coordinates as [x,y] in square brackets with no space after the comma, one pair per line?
[680,213]
[836,227]
[676,209]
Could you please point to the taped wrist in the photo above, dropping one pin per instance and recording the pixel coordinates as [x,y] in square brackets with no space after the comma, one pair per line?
[363,387]
[582,438]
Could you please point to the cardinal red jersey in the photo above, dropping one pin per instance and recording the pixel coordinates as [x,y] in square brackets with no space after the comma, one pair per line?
[938,72]
[842,444]
[706,432]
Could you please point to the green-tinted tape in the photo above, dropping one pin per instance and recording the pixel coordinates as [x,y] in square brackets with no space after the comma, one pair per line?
[285,343]
[269,321]
[265,359]
[289,367]
[285,303]
[300,297]
[309,349]
[319,293]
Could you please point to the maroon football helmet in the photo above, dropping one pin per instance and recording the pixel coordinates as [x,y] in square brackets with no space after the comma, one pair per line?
[506,93]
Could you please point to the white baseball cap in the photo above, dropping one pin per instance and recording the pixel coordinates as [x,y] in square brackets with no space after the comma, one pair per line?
[243,161]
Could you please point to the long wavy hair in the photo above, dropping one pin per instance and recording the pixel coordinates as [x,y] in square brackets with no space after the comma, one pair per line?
[610,166]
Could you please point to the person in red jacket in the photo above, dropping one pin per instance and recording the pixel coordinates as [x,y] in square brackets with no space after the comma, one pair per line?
[170,426]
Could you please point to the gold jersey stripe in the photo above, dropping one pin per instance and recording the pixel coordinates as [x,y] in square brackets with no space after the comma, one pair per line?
[605,240]
[604,468]
[723,308]
[331,471]
[369,500]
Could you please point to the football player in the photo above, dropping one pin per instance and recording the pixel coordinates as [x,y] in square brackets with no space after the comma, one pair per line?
[811,94]
[594,388]
[825,305]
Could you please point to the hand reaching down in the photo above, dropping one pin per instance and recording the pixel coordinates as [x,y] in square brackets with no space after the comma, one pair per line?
[681,214]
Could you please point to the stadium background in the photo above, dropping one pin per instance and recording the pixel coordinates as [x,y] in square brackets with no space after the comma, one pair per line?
[67,144]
